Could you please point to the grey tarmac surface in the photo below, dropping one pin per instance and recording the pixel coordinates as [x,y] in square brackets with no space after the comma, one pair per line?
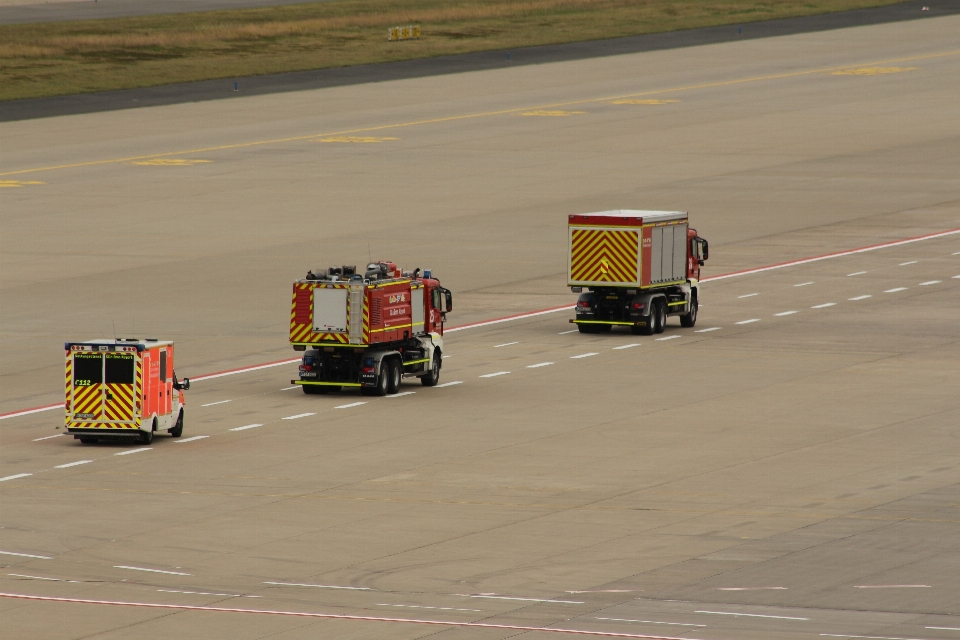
[487,60]
[767,474]
[20,11]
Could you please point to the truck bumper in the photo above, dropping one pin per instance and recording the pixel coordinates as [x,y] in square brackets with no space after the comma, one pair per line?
[326,384]
[615,323]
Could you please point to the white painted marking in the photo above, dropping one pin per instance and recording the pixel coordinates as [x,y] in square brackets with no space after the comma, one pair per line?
[895,290]
[940,628]
[496,597]
[583,355]
[538,365]
[400,395]
[785,313]
[903,264]
[824,305]
[419,606]
[710,329]
[863,297]
[190,439]
[318,586]
[678,624]
[956,253]
[131,451]
[449,384]
[245,427]
[669,337]
[563,333]
[72,464]
[845,635]
[56,435]
[928,282]
[172,573]
[244,370]
[14,477]
[210,404]
[856,273]
[25,555]
[891,586]
[494,375]
[445,357]
[957,277]
[803,284]
[750,615]
[342,406]
[205,593]
[751,588]
[520,316]
[629,346]
[21,575]
[749,295]
[26,412]
[300,415]
[505,344]
[290,388]
[748,321]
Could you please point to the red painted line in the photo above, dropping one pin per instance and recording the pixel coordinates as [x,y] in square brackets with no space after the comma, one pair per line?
[23,412]
[333,616]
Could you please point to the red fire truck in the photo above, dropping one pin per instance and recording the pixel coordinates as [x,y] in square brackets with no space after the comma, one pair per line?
[122,389]
[368,330]
[638,268]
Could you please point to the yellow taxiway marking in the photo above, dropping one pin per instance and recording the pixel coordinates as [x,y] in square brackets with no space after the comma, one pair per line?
[625,101]
[14,184]
[487,114]
[169,162]
[550,114]
[354,139]
[872,71]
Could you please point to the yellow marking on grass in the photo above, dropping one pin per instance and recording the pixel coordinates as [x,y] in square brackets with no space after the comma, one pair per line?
[16,184]
[872,71]
[169,162]
[643,101]
[545,113]
[354,139]
[468,116]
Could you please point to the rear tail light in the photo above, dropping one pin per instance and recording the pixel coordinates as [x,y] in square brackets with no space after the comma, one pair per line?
[368,369]
[306,367]
[583,304]
[637,305]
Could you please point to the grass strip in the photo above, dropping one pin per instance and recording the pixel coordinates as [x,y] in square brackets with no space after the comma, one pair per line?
[63,58]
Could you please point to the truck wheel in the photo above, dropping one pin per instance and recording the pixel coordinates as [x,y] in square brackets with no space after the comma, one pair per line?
[690,319]
[661,317]
[311,389]
[177,430]
[432,378]
[383,380]
[395,372]
[146,437]
[88,439]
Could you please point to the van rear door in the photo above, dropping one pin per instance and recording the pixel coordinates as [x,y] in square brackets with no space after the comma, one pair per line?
[86,397]
[119,387]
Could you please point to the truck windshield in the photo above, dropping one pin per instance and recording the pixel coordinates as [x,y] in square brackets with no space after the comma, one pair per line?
[119,368]
[87,369]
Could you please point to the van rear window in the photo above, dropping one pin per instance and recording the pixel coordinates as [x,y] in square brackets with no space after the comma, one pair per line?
[87,369]
[120,368]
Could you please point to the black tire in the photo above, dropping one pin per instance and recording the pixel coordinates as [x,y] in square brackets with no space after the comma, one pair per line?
[314,389]
[88,439]
[587,328]
[395,372]
[604,328]
[433,377]
[383,380]
[661,317]
[689,319]
[177,430]
[146,437]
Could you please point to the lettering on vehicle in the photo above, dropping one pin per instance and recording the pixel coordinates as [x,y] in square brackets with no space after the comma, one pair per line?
[647,243]
[398,297]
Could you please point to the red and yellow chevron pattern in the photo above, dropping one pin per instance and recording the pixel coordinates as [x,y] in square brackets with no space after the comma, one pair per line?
[118,403]
[68,401]
[598,255]
[138,393]
[88,400]
[301,317]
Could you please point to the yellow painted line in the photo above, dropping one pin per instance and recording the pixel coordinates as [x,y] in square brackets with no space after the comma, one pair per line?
[487,114]
[551,114]
[16,184]
[873,71]
[354,139]
[627,101]
[170,162]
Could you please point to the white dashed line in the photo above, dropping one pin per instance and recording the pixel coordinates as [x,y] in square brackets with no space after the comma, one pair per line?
[749,295]
[172,573]
[710,329]
[538,365]
[190,439]
[903,264]
[449,384]
[860,297]
[751,588]
[928,282]
[245,427]
[803,284]
[856,273]
[210,404]
[56,435]
[494,375]
[289,388]
[318,586]
[669,337]
[206,593]
[563,333]
[748,321]
[21,575]
[892,586]
[342,406]
[627,346]
[939,628]
[494,597]
[956,277]
[14,477]
[505,344]
[583,355]
[824,305]
[400,395]
[419,606]
[127,453]
[750,615]
[72,464]
[846,635]
[785,313]
[300,415]
[895,290]
[678,624]
[25,555]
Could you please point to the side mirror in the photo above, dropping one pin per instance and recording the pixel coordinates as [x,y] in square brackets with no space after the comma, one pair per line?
[706,249]
[183,384]
[448,299]
[700,262]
